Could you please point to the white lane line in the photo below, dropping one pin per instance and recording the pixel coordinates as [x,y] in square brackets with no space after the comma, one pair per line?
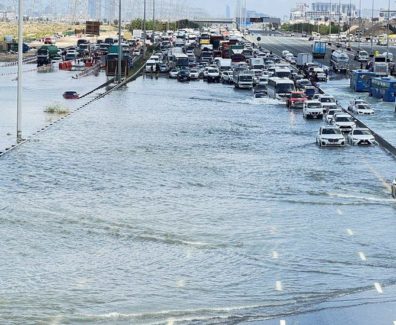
[339,212]
[362,256]
[275,255]
[278,286]
[350,232]
[283,322]
[378,287]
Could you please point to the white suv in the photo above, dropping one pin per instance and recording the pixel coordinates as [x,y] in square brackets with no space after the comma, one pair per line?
[312,109]
[344,121]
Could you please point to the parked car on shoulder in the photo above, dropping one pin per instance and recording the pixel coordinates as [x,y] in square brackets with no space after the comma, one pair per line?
[361,109]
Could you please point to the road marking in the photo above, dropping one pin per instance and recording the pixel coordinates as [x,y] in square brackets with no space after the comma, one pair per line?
[379,176]
[283,322]
[275,255]
[378,287]
[278,286]
[350,232]
[362,256]
[339,212]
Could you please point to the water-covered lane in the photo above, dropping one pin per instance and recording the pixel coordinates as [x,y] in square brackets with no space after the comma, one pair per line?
[169,201]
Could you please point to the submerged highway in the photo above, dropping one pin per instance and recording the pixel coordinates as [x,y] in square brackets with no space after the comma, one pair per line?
[195,203]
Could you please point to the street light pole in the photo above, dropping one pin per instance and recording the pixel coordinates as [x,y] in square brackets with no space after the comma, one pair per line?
[153,36]
[387,36]
[20,59]
[330,20]
[144,29]
[119,43]
[372,24]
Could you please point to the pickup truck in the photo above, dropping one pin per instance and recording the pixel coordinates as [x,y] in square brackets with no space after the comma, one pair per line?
[296,99]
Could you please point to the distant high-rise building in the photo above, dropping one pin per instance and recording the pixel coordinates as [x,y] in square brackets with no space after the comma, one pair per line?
[110,10]
[228,11]
[94,9]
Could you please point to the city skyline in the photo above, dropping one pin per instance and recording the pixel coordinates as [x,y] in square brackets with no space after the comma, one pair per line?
[133,7]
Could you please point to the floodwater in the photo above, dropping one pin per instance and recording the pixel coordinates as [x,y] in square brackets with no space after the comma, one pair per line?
[193,203]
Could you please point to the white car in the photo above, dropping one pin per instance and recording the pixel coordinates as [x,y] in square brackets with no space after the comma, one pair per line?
[330,136]
[312,109]
[263,80]
[361,136]
[355,102]
[344,121]
[173,73]
[330,114]
[194,74]
[361,109]
[328,102]
[285,53]
[213,75]
[226,77]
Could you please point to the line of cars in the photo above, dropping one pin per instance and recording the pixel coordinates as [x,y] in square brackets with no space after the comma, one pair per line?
[341,127]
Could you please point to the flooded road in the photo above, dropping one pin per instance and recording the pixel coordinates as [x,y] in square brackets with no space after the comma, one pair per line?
[170,203]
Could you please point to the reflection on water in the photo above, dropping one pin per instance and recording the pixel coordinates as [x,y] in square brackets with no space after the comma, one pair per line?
[169,202]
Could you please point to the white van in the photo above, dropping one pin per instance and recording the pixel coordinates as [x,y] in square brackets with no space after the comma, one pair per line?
[151,65]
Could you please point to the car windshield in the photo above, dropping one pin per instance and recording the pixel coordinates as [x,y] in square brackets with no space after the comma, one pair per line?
[332,112]
[363,106]
[343,119]
[298,96]
[284,88]
[327,100]
[212,71]
[314,105]
[245,78]
[331,131]
[361,132]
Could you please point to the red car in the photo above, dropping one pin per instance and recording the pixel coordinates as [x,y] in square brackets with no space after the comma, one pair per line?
[296,99]
[71,95]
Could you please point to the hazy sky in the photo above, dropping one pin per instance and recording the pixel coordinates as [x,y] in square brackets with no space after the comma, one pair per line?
[278,7]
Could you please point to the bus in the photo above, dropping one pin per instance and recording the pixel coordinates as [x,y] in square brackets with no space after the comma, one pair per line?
[280,88]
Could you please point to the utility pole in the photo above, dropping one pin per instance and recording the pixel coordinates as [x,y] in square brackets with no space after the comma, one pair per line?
[153,36]
[330,20]
[372,25]
[119,43]
[339,19]
[20,58]
[360,22]
[387,36]
[144,29]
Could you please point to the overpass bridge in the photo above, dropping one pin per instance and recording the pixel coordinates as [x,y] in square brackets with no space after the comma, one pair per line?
[214,21]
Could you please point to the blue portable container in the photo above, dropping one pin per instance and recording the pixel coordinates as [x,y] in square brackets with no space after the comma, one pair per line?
[383,88]
[360,80]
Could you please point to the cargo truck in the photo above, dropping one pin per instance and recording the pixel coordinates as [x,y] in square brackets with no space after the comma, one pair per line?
[303,59]
[319,49]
